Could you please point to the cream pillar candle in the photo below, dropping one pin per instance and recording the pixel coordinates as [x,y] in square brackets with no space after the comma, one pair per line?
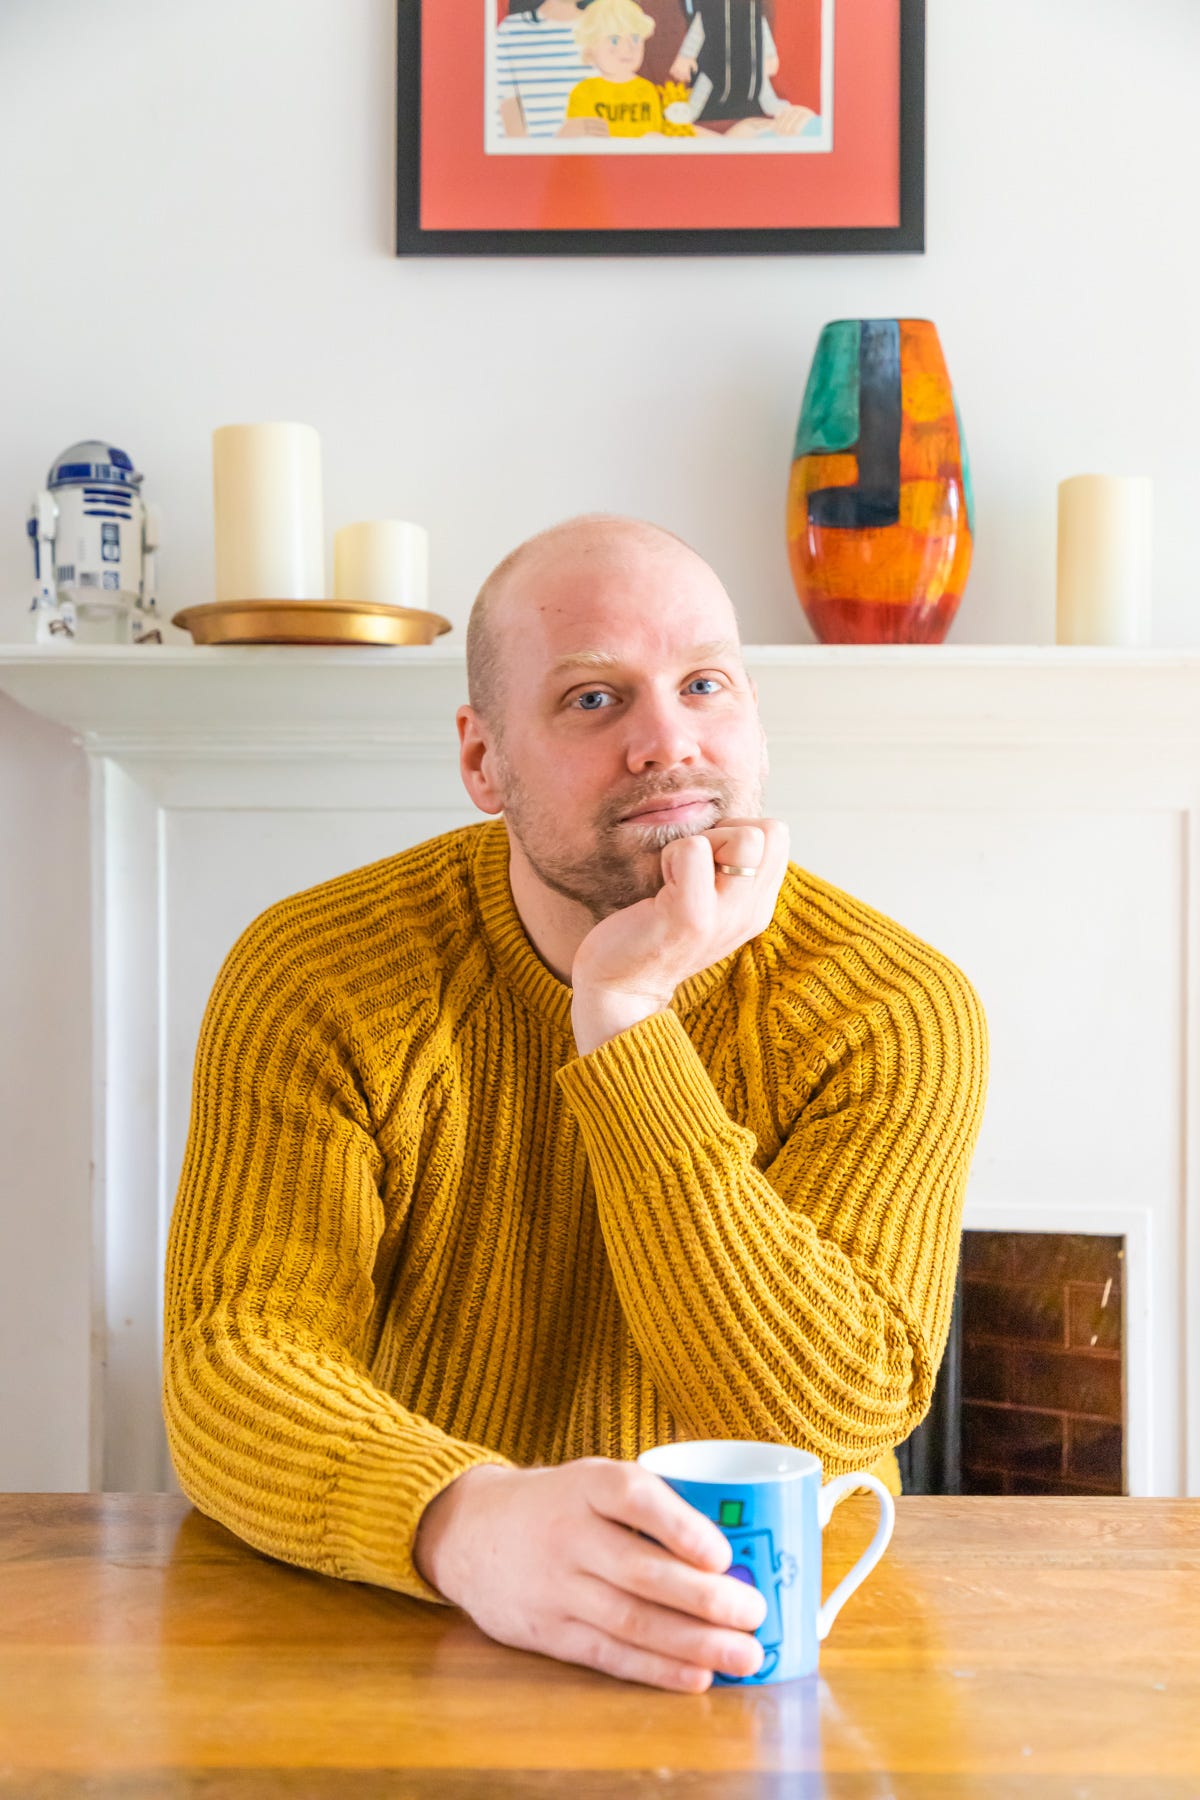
[1105,527]
[268,515]
[385,561]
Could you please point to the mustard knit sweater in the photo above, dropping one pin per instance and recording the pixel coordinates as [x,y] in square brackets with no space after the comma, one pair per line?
[416,1230]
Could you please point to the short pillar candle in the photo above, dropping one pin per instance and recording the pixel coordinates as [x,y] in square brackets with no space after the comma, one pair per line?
[268,516]
[383,561]
[1105,533]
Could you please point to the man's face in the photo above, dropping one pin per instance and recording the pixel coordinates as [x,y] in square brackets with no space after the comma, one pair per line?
[617,57]
[583,746]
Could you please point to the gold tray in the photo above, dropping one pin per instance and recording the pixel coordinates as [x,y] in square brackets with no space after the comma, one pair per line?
[309,622]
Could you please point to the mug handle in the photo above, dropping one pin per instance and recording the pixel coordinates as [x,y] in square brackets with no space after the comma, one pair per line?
[826,1500]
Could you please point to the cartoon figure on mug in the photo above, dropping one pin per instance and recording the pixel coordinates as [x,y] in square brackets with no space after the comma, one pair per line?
[759,1565]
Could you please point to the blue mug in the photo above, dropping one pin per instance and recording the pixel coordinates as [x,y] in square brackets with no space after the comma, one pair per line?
[767,1499]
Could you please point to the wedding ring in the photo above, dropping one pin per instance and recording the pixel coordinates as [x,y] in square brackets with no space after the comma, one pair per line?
[732,869]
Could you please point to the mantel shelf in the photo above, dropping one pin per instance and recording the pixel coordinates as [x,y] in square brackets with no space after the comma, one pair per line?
[181,700]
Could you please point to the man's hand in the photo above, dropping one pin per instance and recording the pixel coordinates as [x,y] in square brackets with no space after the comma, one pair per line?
[629,965]
[550,1559]
[683,68]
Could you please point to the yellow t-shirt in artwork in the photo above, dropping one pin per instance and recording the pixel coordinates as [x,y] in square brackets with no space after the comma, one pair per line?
[631,107]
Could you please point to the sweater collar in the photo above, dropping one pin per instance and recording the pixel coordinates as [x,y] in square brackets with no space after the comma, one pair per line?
[516,961]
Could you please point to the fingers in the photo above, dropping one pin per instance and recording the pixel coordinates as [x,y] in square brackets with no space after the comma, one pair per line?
[726,909]
[675,1637]
[627,1561]
[595,1649]
[688,863]
[770,831]
[627,1634]
[743,846]
[642,1500]
[760,844]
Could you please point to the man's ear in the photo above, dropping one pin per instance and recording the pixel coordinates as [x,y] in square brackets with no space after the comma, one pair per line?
[476,762]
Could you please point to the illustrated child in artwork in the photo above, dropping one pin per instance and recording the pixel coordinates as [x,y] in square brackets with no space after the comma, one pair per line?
[611,36]
[537,65]
[728,54]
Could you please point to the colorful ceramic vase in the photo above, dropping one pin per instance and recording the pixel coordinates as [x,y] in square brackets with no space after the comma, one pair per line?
[881,513]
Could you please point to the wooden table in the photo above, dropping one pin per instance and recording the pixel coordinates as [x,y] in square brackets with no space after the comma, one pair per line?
[1036,1647]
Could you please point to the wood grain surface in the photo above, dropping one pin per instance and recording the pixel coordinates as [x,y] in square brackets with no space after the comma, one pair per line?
[1041,1648]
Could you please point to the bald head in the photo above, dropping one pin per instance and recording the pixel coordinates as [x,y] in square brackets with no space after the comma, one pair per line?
[496,613]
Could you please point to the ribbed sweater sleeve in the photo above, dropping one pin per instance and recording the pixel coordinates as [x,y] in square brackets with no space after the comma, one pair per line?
[274,1425]
[808,1301]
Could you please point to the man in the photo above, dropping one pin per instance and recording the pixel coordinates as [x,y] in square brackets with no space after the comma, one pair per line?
[598,1126]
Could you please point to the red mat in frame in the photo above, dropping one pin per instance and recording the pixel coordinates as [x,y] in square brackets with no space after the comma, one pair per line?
[861,189]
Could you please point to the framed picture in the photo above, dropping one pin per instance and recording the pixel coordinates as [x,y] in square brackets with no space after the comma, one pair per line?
[656,127]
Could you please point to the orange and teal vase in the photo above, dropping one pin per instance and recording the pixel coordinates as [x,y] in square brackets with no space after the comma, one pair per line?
[880,511]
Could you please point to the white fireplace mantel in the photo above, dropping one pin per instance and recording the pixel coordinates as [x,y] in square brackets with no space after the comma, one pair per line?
[270,699]
[1032,811]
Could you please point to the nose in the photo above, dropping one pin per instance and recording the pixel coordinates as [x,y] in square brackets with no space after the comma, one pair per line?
[661,734]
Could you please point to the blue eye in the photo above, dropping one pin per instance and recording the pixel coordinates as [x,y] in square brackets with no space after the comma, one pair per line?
[592,693]
[709,678]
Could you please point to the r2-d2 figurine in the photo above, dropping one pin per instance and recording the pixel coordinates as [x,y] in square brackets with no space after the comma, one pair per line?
[94,540]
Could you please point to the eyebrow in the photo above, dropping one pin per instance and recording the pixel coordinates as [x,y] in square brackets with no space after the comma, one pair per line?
[603,659]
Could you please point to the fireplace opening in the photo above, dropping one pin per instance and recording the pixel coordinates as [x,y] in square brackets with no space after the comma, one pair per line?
[1030,1395]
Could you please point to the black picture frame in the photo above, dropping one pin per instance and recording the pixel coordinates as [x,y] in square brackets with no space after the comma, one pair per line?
[906,238]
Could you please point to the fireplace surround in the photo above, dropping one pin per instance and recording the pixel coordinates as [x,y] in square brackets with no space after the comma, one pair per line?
[1030,811]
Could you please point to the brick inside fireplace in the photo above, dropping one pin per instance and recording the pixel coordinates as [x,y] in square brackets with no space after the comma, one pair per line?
[1042,1400]
[1030,1395]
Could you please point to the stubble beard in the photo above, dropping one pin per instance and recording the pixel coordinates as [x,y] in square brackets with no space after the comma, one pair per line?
[623,866]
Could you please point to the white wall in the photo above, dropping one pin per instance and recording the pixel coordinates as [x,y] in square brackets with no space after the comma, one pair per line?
[196,215]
